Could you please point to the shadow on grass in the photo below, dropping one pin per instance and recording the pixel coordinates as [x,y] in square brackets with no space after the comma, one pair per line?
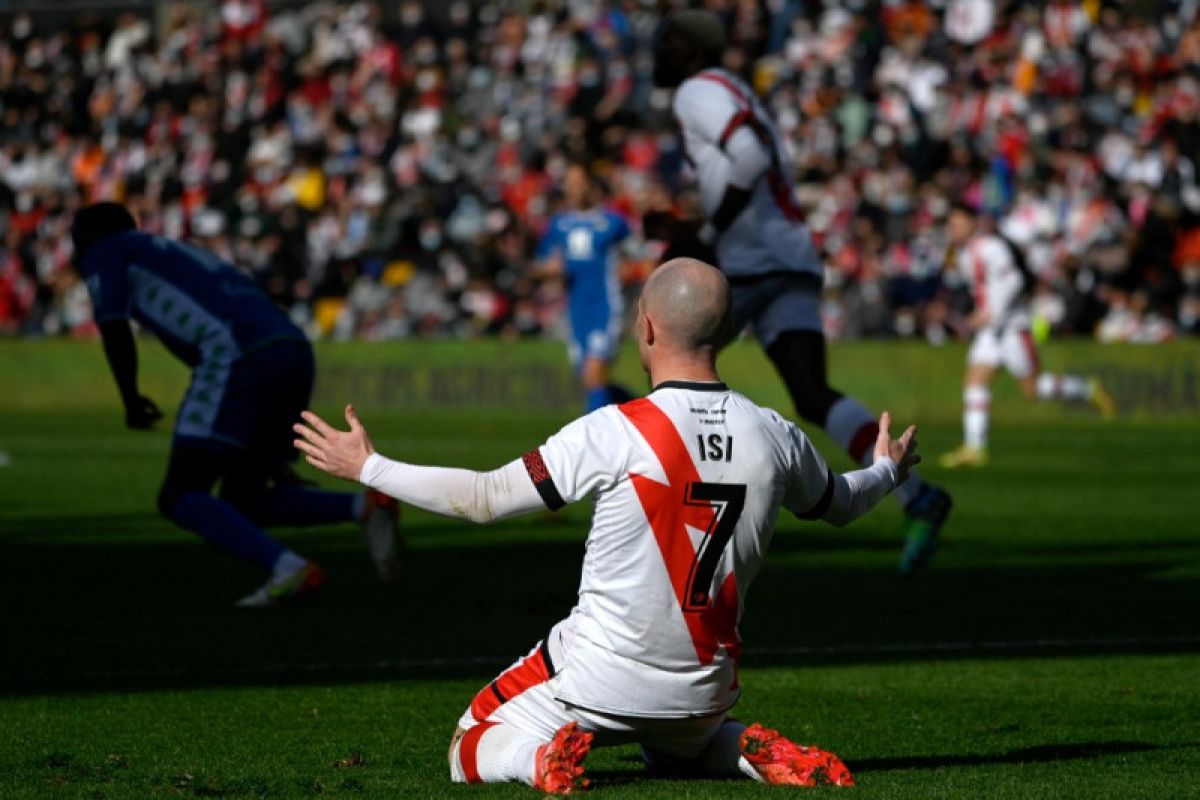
[1038,754]
[90,615]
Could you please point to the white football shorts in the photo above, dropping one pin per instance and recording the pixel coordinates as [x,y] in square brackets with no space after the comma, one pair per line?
[1010,346]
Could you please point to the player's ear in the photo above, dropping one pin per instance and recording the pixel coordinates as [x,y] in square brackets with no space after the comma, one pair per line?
[647,329]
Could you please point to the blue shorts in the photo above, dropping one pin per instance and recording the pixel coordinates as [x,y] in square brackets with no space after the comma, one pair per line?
[251,402]
[595,338]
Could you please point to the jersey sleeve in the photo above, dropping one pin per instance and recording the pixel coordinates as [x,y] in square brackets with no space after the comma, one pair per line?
[704,110]
[620,227]
[576,461]
[551,241]
[107,279]
[809,488]
[475,496]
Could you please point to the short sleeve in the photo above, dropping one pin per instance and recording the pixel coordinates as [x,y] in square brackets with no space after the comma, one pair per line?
[107,277]
[810,481]
[578,460]
[704,109]
[620,227]
[551,241]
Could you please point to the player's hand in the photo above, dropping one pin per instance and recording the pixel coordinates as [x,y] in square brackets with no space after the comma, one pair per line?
[340,453]
[903,450]
[141,413]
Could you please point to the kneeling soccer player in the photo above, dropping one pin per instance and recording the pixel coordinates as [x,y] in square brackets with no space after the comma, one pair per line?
[687,483]
[252,373]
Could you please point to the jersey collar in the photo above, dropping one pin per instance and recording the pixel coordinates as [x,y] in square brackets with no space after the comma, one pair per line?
[693,386]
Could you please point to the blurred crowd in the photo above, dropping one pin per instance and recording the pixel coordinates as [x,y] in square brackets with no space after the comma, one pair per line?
[384,169]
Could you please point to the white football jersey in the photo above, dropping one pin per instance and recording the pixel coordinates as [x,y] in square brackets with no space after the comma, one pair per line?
[686,483]
[995,281]
[769,235]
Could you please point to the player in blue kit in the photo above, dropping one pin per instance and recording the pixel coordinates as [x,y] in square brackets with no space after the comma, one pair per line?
[582,245]
[252,375]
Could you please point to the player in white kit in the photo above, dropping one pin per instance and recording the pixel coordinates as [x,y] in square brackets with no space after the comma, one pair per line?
[1000,321]
[763,247]
[686,483]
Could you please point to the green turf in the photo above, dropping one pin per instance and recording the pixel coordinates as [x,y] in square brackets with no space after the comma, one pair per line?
[1052,650]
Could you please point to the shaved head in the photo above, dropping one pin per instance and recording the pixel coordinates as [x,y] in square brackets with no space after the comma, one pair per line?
[688,302]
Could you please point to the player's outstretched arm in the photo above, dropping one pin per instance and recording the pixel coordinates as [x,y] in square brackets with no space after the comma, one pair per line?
[816,492]
[340,453]
[855,493]
[462,493]
[902,451]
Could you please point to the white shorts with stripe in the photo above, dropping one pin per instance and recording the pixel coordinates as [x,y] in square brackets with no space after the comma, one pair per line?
[524,697]
[1010,346]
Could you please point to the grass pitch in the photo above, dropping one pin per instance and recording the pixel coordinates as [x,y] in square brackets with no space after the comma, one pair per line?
[1051,650]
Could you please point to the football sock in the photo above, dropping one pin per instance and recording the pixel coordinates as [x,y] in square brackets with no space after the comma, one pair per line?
[598,398]
[298,505]
[220,524]
[976,400]
[1067,388]
[495,753]
[855,430]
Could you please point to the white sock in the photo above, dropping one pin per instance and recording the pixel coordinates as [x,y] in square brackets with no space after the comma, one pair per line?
[976,400]
[1067,388]
[503,753]
[850,425]
[288,563]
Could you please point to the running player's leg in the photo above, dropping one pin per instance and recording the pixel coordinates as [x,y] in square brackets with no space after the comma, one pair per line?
[215,440]
[597,345]
[274,386]
[594,376]
[982,359]
[186,499]
[283,377]
[787,322]
[1020,357]
[799,357]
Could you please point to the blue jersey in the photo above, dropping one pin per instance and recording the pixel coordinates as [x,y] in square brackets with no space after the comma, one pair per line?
[587,243]
[203,309]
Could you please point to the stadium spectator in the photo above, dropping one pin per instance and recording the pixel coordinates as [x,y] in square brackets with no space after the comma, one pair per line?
[420,148]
